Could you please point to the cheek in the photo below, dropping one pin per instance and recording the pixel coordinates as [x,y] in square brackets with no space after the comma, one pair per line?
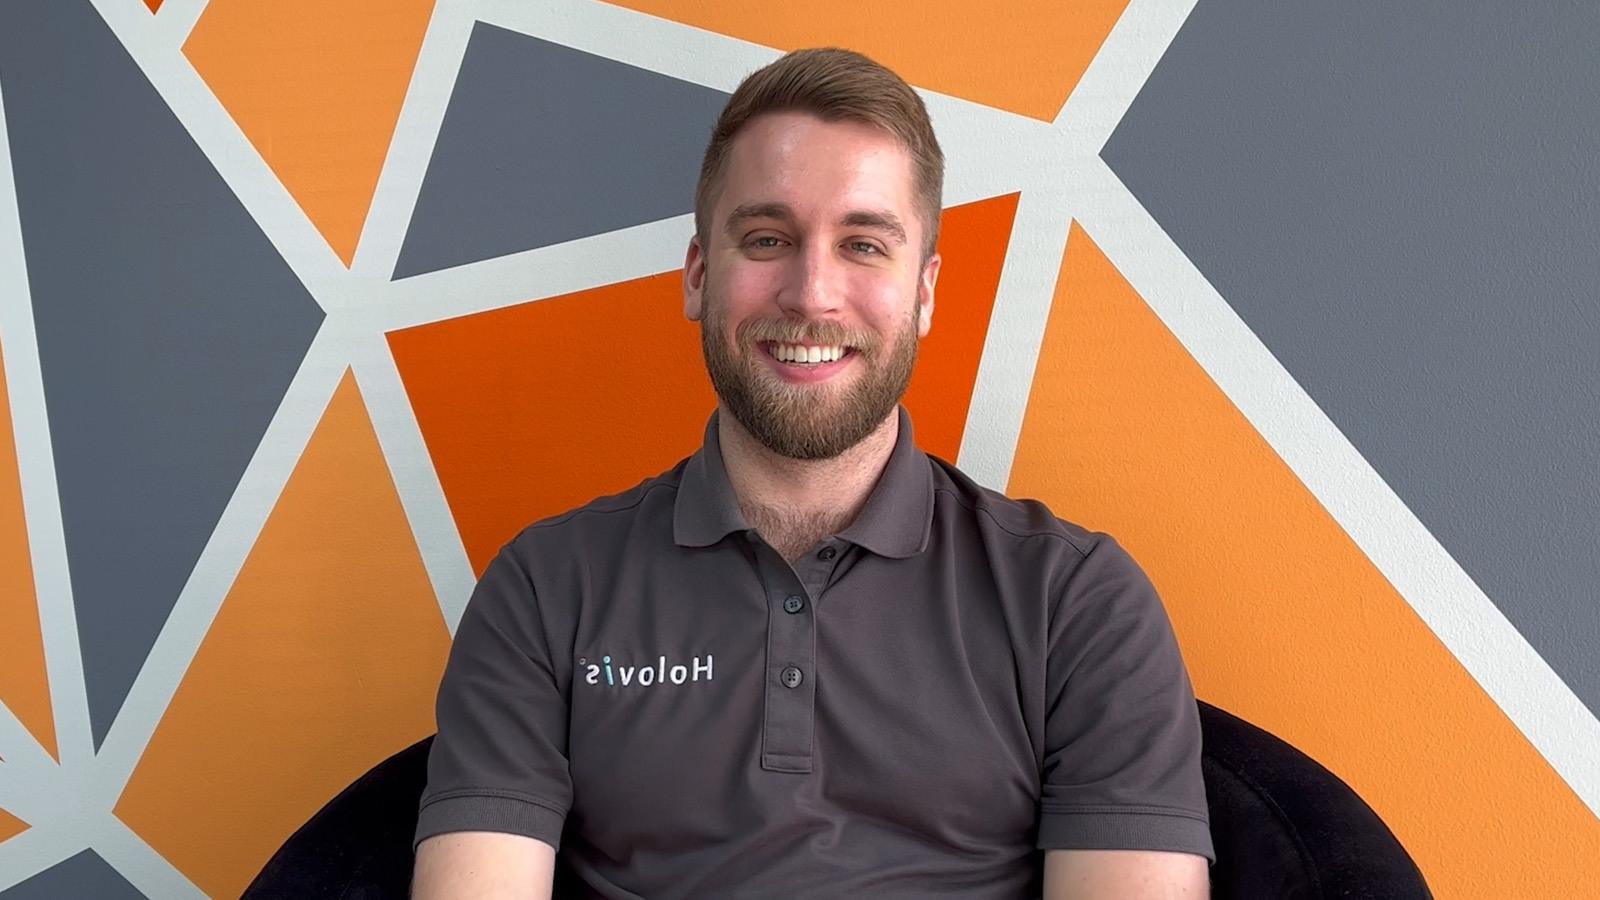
[750,286]
[740,294]
[883,302]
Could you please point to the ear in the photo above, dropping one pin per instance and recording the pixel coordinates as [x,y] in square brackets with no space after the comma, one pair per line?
[694,281]
[925,285]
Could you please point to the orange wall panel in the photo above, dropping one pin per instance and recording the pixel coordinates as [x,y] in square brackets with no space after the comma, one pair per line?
[972,242]
[534,409]
[316,86]
[10,826]
[1282,619]
[324,659]
[1026,58]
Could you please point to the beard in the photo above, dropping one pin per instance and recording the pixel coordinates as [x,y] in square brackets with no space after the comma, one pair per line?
[805,421]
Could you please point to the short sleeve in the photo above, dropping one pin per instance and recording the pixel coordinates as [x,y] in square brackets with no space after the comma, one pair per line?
[499,761]
[1122,732]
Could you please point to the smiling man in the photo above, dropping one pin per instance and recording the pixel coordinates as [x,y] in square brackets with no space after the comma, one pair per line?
[811,660]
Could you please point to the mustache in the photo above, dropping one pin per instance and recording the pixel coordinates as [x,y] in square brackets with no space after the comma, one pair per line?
[816,331]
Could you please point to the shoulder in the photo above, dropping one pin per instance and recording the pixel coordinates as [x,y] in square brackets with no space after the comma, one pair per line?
[647,504]
[1027,533]
[1021,520]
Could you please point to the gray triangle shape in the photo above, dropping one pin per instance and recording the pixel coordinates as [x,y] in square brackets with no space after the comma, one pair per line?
[85,875]
[543,144]
[168,326]
[1403,207]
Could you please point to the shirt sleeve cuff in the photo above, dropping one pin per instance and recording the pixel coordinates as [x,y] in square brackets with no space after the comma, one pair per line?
[489,812]
[1172,830]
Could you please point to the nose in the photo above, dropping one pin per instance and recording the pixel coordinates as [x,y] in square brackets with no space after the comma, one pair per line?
[813,287]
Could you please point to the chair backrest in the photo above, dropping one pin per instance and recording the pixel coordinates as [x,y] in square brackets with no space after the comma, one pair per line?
[1283,826]
[358,846]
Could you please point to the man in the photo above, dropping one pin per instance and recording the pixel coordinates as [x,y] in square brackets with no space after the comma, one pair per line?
[811,661]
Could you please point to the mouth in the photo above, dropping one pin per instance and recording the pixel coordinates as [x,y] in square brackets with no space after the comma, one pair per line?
[806,362]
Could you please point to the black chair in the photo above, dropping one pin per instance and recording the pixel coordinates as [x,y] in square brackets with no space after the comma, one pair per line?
[1283,826]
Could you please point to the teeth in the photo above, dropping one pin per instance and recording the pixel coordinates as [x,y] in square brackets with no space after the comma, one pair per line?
[799,353]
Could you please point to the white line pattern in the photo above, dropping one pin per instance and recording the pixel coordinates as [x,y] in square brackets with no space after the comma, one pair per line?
[991,152]
[1441,592]
[41,504]
[38,849]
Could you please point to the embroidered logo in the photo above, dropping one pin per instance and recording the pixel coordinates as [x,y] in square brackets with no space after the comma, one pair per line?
[615,673]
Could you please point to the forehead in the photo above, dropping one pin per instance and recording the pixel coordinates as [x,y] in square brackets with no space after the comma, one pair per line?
[816,167]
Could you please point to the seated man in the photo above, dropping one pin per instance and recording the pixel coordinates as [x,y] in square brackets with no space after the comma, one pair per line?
[810,660]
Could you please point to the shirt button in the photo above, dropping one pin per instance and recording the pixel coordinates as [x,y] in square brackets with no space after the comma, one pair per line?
[792,677]
[827,553]
[794,603]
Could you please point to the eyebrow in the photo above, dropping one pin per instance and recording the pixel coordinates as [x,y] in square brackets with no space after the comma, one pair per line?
[881,220]
[748,211]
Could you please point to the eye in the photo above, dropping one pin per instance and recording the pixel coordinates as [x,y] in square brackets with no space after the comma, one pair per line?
[764,242]
[866,248]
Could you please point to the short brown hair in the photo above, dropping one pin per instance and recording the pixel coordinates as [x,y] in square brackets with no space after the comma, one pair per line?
[834,85]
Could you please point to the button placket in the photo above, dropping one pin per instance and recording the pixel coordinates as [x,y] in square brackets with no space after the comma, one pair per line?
[790,711]
[816,568]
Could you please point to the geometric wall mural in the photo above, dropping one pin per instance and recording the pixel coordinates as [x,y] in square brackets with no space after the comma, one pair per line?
[937,48]
[316,98]
[622,151]
[508,453]
[84,875]
[24,686]
[1452,337]
[159,376]
[1278,611]
[328,644]
[10,826]
[306,308]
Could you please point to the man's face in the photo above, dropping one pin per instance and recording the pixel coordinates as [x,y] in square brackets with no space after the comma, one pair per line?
[811,290]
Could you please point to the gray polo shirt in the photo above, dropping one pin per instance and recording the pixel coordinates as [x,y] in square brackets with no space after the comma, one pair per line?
[913,709]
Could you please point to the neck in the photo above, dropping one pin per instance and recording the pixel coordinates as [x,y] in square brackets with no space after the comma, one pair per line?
[804,499]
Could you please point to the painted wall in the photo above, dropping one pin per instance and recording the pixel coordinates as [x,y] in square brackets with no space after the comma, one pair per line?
[305,307]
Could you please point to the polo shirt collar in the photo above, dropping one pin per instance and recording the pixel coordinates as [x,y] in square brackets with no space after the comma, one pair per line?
[707,510]
[894,522]
[899,512]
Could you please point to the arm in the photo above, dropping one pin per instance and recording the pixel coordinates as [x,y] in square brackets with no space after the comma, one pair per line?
[1125,875]
[1122,802]
[490,819]
[483,865]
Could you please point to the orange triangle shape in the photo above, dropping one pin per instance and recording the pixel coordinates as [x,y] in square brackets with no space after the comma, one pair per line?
[324,659]
[534,409]
[972,241]
[10,826]
[317,88]
[1026,58]
[24,685]
[1282,619]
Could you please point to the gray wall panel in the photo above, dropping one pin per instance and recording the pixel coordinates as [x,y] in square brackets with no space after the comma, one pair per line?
[1402,201]
[168,327]
[543,144]
[83,876]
